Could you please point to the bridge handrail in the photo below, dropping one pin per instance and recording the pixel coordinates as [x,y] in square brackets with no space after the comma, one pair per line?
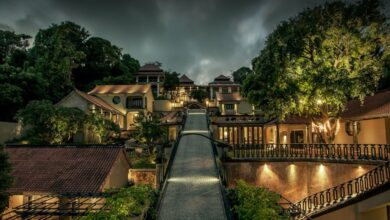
[340,194]
[345,152]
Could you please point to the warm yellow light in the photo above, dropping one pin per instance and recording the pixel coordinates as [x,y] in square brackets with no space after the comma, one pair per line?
[319,101]
[322,168]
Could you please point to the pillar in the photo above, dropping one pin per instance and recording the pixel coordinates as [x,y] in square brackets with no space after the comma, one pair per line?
[355,132]
[277,134]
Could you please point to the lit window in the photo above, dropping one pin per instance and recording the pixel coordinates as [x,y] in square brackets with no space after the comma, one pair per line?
[229,106]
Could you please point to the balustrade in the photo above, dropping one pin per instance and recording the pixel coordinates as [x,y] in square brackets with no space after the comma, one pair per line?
[341,152]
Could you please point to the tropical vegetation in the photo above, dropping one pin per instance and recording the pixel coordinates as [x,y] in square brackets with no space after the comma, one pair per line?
[315,62]
[251,202]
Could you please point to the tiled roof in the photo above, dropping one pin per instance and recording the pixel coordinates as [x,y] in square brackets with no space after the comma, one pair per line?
[296,120]
[221,77]
[61,169]
[150,69]
[185,79]
[127,89]
[98,102]
[226,97]
[375,106]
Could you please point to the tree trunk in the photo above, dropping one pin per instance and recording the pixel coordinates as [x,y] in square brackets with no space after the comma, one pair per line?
[326,128]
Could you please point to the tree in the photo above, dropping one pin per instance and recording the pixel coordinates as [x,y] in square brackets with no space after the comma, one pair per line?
[126,203]
[315,62]
[171,81]
[252,202]
[149,132]
[11,43]
[131,63]
[199,95]
[101,58]
[5,179]
[50,124]
[240,74]
[57,51]
[10,101]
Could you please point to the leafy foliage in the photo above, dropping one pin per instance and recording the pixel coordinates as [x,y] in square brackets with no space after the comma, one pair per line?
[128,202]
[5,178]
[240,74]
[149,132]
[171,81]
[12,45]
[62,57]
[252,202]
[199,95]
[51,124]
[315,62]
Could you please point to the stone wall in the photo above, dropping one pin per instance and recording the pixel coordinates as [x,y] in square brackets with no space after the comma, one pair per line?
[143,176]
[295,180]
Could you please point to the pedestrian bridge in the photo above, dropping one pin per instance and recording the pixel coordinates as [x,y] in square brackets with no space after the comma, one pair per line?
[192,189]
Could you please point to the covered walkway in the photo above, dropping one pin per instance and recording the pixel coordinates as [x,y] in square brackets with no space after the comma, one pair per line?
[193,188]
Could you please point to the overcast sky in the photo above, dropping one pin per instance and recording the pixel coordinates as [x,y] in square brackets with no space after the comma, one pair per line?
[199,38]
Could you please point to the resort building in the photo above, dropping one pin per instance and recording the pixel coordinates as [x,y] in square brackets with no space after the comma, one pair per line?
[91,104]
[222,84]
[368,123]
[131,100]
[151,74]
[360,124]
[186,85]
[233,104]
[59,180]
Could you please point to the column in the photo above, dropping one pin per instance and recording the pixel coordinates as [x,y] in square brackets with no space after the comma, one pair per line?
[355,132]
[211,93]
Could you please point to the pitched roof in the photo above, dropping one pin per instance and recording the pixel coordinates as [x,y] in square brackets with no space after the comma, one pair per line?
[98,102]
[150,68]
[117,89]
[61,169]
[184,79]
[226,97]
[221,79]
[375,106]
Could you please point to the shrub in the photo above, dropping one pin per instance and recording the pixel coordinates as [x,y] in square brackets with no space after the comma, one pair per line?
[128,202]
[50,124]
[251,203]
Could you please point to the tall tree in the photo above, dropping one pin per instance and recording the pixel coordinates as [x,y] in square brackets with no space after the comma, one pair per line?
[315,62]
[199,95]
[57,51]
[11,42]
[240,74]
[171,81]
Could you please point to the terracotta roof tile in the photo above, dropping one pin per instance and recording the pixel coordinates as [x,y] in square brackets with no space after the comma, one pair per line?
[185,79]
[127,89]
[150,69]
[375,106]
[60,169]
[98,102]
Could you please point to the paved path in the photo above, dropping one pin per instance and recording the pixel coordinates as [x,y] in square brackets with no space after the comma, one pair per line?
[193,191]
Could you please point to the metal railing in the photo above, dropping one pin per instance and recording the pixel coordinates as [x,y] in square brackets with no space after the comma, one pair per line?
[345,193]
[326,152]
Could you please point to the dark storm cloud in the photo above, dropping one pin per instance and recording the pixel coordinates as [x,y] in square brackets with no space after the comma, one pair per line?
[199,38]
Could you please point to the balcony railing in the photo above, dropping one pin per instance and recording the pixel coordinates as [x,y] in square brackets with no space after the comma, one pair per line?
[376,180]
[325,152]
